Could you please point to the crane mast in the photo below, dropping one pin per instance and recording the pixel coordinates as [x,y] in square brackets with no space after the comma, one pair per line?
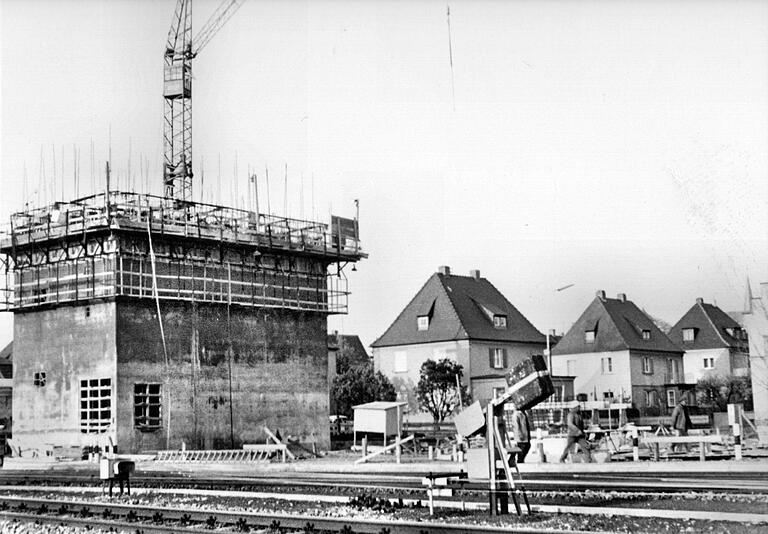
[177,93]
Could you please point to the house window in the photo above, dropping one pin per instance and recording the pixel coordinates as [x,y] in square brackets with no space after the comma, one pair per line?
[146,406]
[709,363]
[589,336]
[401,362]
[570,366]
[650,398]
[646,335]
[498,358]
[498,392]
[647,365]
[39,379]
[607,364]
[500,321]
[671,398]
[689,334]
[95,405]
[607,394]
[422,322]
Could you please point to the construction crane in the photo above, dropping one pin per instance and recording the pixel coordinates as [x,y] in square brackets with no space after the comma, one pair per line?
[180,50]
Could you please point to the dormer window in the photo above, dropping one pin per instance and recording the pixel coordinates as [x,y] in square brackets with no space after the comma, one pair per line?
[735,332]
[422,322]
[500,321]
[689,334]
[646,335]
[589,336]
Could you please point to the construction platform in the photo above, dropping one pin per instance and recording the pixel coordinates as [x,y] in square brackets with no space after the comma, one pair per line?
[128,244]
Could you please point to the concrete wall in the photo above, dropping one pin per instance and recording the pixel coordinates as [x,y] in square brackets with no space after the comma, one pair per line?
[279,374]
[589,376]
[415,355]
[68,343]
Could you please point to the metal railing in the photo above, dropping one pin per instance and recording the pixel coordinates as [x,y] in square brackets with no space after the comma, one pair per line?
[164,216]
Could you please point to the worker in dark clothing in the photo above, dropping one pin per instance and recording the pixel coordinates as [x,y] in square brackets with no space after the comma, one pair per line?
[681,421]
[576,434]
[521,431]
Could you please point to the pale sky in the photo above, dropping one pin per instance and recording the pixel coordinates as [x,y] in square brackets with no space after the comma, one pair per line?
[606,144]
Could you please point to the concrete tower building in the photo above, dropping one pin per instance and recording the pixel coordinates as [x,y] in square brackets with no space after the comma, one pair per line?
[147,322]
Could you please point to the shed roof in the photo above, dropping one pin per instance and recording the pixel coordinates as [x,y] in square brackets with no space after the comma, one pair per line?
[380,405]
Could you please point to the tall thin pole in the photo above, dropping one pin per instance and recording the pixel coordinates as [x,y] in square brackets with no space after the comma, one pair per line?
[266,172]
[93,179]
[229,360]
[285,192]
[450,56]
[53,152]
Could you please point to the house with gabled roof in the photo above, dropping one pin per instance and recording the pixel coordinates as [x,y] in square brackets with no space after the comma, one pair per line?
[464,318]
[617,353]
[713,342]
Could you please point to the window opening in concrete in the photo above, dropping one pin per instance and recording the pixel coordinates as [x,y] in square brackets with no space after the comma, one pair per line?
[95,405]
[39,379]
[147,404]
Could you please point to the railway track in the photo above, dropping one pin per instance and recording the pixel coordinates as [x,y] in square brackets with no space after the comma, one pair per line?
[349,483]
[151,519]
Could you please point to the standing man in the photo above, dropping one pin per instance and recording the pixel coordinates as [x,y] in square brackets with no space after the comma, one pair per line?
[521,431]
[681,421]
[576,434]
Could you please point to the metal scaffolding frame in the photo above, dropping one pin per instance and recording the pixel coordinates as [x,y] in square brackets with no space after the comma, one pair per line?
[96,247]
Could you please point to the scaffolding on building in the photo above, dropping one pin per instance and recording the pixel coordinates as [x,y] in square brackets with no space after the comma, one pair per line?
[99,247]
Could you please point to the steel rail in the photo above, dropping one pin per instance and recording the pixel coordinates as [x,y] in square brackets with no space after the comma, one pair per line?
[655,482]
[159,519]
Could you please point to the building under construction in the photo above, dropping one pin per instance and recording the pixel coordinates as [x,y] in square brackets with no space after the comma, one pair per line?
[145,322]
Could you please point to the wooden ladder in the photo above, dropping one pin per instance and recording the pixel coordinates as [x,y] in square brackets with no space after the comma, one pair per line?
[511,484]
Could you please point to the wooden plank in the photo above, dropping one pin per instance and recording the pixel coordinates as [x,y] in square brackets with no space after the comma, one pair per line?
[684,439]
[280,442]
[383,450]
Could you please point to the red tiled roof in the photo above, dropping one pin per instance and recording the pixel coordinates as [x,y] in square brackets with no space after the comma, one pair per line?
[457,304]
[618,325]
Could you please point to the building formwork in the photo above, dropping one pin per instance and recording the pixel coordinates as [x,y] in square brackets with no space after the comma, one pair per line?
[148,322]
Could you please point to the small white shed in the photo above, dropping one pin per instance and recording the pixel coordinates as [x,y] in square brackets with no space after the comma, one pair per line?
[379,417]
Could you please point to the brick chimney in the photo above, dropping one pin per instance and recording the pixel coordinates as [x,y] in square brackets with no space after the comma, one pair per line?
[444,269]
[622,297]
[699,300]
[600,294]
[475,273]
